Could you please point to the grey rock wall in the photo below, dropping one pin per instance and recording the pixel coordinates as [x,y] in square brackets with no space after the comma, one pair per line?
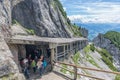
[84,32]
[102,42]
[8,68]
[41,16]
[5,12]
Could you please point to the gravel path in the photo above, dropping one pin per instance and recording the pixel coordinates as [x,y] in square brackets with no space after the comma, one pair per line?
[51,76]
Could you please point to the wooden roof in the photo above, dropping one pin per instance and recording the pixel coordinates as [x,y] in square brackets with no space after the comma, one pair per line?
[17,39]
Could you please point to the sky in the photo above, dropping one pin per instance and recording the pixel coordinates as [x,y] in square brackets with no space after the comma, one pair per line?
[92,11]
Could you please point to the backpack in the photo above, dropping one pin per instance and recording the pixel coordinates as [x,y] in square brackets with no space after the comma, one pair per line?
[44,63]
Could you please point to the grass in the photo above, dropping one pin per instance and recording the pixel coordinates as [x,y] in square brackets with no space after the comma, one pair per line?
[63,70]
[87,49]
[91,60]
[76,30]
[7,77]
[30,31]
[117,77]
[58,3]
[76,58]
[107,58]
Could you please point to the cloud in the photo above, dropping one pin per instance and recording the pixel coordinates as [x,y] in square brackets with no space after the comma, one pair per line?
[95,18]
[64,8]
[97,12]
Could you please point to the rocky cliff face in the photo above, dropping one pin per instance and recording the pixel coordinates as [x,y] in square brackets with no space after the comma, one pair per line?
[102,42]
[84,32]
[5,12]
[8,68]
[43,16]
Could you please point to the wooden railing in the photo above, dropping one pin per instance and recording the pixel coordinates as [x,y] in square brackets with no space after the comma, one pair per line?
[75,72]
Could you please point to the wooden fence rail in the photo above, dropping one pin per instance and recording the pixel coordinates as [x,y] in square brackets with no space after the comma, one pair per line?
[76,73]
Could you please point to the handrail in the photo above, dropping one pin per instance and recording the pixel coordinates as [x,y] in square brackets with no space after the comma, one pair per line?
[75,70]
[112,72]
[80,74]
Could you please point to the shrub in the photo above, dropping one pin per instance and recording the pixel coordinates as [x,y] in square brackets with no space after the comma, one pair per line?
[92,47]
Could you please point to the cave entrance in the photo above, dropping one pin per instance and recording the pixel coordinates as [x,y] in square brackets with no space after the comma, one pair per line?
[30,49]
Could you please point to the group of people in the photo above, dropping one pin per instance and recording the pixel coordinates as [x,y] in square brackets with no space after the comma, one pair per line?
[36,64]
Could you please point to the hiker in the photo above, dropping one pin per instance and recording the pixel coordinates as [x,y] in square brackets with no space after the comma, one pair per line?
[41,57]
[22,63]
[29,61]
[33,65]
[40,67]
[44,65]
[25,70]
[36,59]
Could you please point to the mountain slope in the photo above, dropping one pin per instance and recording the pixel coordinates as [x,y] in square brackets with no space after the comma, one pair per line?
[110,42]
[96,58]
[114,37]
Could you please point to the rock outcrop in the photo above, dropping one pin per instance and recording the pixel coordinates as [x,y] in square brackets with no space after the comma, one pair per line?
[8,68]
[84,32]
[43,16]
[105,43]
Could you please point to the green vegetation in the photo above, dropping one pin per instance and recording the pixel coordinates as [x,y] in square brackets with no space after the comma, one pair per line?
[117,77]
[8,77]
[63,70]
[89,48]
[107,58]
[30,31]
[15,22]
[92,47]
[114,37]
[76,58]
[58,3]
[91,60]
[76,30]
[72,27]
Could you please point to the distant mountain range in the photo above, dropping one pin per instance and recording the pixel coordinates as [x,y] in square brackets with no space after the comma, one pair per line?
[96,28]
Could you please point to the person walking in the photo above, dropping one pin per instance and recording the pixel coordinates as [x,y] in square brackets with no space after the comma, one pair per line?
[25,70]
[33,65]
[40,66]
[44,65]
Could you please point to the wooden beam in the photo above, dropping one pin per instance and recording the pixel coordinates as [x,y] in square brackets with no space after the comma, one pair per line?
[75,74]
[98,70]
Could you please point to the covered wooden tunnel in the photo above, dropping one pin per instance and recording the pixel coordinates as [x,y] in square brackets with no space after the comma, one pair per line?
[60,47]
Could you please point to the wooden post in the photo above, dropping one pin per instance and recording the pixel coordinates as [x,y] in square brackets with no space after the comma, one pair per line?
[64,51]
[70,48]
[75,73]
[52,57]
[56,54]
